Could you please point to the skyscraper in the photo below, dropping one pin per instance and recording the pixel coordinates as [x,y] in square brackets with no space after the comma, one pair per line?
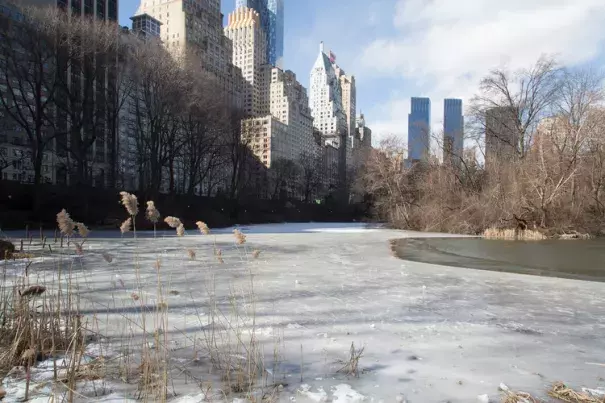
[194,30]
[272,20]
[419,129]
[453,130]
[249,54]
[329,117]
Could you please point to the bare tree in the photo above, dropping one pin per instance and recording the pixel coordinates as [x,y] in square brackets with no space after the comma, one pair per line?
[27,69]
[283,173]
[156,106]
[201,131]
[237,151]
[515,102]
[310,175]
[87,50]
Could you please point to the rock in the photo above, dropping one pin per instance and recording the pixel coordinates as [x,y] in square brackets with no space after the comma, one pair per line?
[2,393]
[6,249]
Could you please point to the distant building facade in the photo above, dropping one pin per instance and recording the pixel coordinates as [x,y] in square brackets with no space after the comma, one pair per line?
[453,131]
[250,55]
[501,135]
[98,163]
[419,129]
[193,32]
[349,106]
[271,14]
[329,117]
[285,130]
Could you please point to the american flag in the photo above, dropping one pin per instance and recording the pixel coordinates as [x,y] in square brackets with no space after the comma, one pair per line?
[332,57]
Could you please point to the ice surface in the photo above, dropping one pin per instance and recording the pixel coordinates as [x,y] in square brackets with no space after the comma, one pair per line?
[431,333]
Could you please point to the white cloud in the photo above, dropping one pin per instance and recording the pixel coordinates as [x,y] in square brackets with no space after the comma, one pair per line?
[444,47]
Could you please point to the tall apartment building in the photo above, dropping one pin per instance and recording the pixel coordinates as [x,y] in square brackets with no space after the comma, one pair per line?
[329,116]
[97,160]
[129,167]
[193,30]
[419,129]
[453,130]
[102,9]
[272,21]
[286,131]
[501,135]
[249,54]
[349,105]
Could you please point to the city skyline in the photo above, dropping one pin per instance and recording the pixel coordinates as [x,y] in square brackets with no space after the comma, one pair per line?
[407,48]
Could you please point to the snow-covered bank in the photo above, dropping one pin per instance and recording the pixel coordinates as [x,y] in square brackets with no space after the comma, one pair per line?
[431,333]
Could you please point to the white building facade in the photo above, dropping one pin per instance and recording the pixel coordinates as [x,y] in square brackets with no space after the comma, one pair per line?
[329,116]
[249,54]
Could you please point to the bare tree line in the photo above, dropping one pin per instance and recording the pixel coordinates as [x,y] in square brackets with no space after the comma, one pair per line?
[116,109]
[538,161]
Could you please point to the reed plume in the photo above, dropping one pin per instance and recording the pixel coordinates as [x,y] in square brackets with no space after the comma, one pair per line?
[255,254]
[180,230]
[82,230]
[126,225]
[130,202]
[191,253]
[65,223]
[203,227]
[172,222]
[219,255]
[240,238]
[152,213]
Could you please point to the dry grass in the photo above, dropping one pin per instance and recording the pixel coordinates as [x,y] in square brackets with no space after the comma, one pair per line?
[351,366]
[40,320]
[562,392]
[203,227]
[512,234]
[518,397]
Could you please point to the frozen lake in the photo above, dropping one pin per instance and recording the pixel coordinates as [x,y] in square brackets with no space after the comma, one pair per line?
[431,333]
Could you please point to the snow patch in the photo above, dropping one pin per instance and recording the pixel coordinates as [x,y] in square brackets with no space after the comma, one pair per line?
[319,396]
[345,394]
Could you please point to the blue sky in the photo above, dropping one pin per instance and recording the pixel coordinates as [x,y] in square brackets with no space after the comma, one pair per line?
[437,48]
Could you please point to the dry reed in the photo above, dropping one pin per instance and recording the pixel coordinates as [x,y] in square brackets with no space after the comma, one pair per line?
[513,234]
[255,254]
[240,238]
[173,222]
[65,223]
[152,214]
[83,230]
[126,225]
[130,203]
[562,392]
[203,227]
